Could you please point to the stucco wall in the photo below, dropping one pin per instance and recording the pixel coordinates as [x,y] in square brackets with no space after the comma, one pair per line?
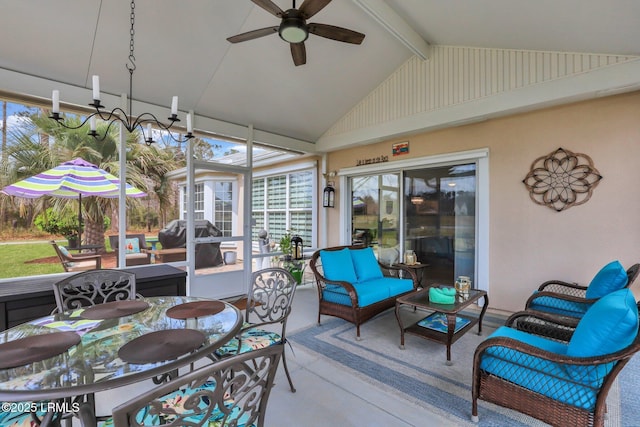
[530,243]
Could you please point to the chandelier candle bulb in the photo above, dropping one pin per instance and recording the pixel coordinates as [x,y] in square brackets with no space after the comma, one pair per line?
[96,88]
[92,123]
[189,125]
[55,99]
[174,106]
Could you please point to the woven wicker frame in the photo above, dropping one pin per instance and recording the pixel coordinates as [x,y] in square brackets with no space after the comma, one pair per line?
[354,313]
[494,389]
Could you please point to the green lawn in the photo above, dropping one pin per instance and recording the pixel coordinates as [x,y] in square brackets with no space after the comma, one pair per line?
[14,257]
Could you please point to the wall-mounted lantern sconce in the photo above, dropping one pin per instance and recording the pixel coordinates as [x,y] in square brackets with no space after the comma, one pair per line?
[329,196]
[329,193]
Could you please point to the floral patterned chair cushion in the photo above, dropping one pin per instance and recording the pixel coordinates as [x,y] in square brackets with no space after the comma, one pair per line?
[174,402]
[18,419]
[252,339]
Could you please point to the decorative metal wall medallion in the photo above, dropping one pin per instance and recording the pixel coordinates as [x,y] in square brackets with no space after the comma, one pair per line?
[562,179]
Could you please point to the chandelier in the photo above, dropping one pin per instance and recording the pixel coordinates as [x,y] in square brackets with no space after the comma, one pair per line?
[118,115]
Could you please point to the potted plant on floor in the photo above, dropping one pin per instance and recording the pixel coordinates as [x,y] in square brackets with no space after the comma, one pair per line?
[295,267]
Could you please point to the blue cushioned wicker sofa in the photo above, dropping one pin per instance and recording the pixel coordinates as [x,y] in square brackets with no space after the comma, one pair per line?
[355,286]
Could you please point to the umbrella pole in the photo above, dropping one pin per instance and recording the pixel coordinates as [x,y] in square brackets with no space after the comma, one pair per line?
[79,220]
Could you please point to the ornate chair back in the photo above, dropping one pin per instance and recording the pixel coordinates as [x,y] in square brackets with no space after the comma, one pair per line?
[270,297]
[233,391]
[93,287]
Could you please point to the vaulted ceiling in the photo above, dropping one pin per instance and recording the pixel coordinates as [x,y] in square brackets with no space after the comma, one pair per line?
[181,49]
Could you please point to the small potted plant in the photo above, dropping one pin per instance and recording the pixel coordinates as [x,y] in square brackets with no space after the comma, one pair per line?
[296,268]
[285,245]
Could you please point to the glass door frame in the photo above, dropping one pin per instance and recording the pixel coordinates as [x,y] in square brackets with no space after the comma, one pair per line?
[245,236]
[481,159]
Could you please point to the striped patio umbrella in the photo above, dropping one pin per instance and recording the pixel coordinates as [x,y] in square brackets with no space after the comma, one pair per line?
[72,180]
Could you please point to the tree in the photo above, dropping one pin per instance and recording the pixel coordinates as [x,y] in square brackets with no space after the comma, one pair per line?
[46,144]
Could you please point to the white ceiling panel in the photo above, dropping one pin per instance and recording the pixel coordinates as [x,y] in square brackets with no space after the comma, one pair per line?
[181,49]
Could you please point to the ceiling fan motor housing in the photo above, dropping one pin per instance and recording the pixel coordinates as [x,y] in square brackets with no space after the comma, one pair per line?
[293,28]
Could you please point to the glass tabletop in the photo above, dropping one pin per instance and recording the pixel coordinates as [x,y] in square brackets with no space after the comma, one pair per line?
[421,299]
[94,363]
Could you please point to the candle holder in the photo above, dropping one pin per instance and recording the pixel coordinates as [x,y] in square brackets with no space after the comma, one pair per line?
[118,115]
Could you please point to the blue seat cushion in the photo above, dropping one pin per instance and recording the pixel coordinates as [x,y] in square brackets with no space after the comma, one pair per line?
[395,285]
[610,278]
[365,264]
[367,294]
[252,339]
[539,375]
[610,325]
[559,306]
[338,265]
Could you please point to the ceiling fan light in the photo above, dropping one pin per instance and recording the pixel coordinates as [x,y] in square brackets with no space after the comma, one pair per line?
[293,31]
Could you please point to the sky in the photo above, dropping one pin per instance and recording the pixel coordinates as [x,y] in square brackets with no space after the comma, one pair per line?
[13,120]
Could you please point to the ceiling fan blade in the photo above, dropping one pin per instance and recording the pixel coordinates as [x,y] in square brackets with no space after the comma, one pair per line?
[298,53]
[311,7]
[270,7]
[336,33]
[250,35]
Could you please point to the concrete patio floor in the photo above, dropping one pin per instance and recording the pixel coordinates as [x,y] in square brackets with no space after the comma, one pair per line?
[327,396]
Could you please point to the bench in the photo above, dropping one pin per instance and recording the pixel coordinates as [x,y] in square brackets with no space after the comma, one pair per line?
[353,285]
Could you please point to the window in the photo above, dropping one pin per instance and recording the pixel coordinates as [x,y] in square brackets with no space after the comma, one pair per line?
[223,208]
[219,211]
[284,202]
[198,198]
[199,201]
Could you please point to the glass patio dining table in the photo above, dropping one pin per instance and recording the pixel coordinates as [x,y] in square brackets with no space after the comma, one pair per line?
[110,345]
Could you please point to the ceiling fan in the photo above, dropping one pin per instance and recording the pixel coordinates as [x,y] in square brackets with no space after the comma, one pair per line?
[294,28]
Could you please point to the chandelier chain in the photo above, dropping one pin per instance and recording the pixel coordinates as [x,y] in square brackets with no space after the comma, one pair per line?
[132,33]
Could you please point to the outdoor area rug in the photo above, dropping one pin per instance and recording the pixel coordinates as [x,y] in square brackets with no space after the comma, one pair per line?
[419,372]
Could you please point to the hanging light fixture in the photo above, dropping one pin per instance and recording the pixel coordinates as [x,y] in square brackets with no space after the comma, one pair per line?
[131,123]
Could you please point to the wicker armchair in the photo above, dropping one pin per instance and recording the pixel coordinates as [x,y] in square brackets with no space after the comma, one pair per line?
[572,300]
[561,383]
[139,255]
[349,306]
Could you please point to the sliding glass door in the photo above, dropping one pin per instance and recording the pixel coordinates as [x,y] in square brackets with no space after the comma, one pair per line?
[440,220]
[430,210]
[375,213]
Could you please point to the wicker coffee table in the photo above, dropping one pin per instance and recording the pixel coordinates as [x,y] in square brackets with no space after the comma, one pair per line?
[446,335]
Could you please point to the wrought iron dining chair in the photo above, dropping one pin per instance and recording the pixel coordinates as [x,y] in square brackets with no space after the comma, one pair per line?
[268,303]
[231,391]
[93,287]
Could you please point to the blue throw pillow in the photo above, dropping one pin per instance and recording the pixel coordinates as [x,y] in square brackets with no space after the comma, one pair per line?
[132,246]
[64,251]
[337,265]
[610,325]
[610,278]
[365,264]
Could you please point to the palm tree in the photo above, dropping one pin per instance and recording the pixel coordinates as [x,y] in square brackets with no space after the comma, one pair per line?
[29,156]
